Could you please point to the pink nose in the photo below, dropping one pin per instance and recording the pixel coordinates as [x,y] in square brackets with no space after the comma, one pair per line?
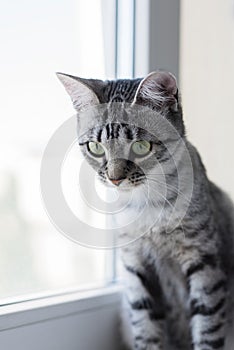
[116,182]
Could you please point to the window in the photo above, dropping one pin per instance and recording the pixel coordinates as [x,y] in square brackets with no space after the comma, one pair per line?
[40,38]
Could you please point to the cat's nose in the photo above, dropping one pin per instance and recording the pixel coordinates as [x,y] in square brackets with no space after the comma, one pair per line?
[116,182]
[116,170]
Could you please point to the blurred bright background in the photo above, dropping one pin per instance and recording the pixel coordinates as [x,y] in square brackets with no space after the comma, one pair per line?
[38,39]
[206,80]
[86,38]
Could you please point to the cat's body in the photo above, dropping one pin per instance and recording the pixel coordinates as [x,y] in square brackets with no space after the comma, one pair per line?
[173,259]
[179,273]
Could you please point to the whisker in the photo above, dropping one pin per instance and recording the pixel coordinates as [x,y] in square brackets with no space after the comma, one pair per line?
[173,208]
[163,197]
[158,203]
[171,187]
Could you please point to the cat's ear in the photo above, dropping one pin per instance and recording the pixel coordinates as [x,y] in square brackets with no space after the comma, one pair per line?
[158,90]
[80,90]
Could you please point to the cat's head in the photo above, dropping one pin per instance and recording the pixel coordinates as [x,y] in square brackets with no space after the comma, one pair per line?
[134,125]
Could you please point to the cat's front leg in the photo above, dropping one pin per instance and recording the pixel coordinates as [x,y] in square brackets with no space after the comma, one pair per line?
[208,297]
[146,314]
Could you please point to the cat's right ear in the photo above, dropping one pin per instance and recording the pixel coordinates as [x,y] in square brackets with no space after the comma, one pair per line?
[81,94]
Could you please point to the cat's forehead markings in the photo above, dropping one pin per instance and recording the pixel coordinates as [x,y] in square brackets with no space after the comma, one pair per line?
[116,111]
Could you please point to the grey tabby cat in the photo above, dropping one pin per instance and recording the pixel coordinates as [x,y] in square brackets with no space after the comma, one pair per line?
[179,280]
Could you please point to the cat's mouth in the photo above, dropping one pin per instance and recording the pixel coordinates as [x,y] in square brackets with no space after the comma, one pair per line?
[125,184]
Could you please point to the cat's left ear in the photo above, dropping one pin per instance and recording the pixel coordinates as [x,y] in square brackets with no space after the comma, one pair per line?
[158,90]
[80,90]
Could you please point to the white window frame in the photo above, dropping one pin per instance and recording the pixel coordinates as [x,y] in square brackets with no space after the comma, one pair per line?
[71,320]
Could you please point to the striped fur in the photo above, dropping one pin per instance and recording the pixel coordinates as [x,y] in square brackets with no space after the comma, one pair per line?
[179,282]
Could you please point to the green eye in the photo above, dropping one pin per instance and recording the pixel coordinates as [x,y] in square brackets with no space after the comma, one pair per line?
[96,149]
[141,148]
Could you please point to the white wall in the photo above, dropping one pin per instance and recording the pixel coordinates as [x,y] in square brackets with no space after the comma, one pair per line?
[207,83]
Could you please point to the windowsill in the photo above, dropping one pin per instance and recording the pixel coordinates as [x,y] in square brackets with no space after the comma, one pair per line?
[53,307]
[73,321]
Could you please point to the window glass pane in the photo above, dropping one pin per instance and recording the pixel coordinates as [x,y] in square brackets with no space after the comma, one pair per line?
[39,38]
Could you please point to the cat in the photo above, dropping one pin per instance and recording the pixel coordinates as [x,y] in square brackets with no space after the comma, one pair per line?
[179,272]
